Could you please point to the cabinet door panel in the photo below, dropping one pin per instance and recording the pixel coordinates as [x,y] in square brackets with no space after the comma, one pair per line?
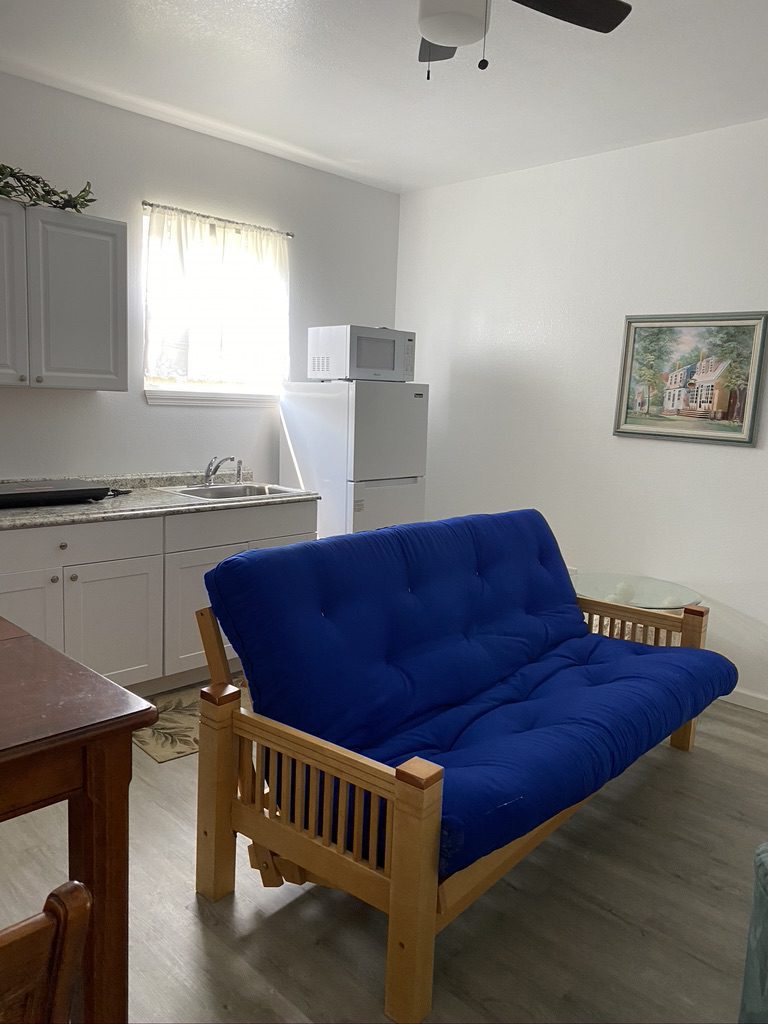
[76,270]
[185,593]
[35,601]
[113,617]
[14,361]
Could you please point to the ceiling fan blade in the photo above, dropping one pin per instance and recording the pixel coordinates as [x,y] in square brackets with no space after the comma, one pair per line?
[432,52]
[598,15]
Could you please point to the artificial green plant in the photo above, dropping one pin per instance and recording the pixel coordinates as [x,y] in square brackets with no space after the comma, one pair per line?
[33,190]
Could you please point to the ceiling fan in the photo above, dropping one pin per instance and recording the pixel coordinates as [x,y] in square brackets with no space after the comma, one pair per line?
[447,24]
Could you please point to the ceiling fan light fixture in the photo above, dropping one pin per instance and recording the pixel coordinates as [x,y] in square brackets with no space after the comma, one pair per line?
[453,22]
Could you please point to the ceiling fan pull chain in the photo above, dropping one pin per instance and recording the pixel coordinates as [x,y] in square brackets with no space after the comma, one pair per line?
[483,64]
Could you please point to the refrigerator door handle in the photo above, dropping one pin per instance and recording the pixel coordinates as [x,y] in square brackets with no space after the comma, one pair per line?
[388,481]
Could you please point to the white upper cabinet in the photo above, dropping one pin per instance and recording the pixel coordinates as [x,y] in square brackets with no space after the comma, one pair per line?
[69,311]
[14,359]
[76,281]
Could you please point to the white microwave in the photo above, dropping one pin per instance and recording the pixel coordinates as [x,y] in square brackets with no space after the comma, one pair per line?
[360,353]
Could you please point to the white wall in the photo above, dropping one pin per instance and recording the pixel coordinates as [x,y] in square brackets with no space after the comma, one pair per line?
[337,276]
[518,285]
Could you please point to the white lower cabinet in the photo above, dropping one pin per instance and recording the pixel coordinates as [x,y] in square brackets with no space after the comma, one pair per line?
[185,593]
[107,615]
[35,601]
[107,595]
[113,617]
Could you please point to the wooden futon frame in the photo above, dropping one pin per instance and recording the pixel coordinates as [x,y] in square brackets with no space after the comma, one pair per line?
[321,819]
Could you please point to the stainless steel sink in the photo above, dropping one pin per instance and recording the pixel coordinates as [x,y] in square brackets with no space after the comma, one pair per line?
[216,492]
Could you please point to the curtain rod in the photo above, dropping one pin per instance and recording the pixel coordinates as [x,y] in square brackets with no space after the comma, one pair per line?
[207,216]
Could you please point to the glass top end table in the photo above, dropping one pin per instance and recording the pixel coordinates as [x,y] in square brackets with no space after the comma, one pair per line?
[635,591]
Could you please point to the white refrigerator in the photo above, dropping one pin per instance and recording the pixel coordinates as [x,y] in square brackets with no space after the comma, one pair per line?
[362,445]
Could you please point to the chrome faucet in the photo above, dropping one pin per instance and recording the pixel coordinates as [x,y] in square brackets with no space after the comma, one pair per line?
[213,468]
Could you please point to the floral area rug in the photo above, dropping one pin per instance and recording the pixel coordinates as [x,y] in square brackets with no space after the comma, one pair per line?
[174,734]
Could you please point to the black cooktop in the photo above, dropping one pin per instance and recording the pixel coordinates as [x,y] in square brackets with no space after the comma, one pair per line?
[24,493]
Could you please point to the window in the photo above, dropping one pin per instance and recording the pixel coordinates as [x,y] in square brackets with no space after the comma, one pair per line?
[216,307]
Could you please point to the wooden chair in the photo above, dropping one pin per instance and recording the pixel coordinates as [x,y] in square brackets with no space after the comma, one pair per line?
[276,785]
[40,959]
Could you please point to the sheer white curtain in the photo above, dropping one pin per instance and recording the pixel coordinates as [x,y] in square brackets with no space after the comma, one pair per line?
[216,315]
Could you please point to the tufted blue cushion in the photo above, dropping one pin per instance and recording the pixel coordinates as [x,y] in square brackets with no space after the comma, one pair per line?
[460,641]
[553,733]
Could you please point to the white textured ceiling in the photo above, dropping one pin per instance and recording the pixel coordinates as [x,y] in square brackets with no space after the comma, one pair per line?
[335,83]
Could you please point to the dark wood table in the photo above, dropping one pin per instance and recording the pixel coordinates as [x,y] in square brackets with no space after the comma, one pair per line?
[65,734]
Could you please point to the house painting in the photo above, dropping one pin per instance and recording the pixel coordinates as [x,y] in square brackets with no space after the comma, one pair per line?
[697,390]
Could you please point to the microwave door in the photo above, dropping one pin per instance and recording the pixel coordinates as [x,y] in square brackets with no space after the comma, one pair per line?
[373,358]
[387,430]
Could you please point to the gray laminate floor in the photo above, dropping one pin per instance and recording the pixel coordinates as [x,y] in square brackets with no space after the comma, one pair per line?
[636,910]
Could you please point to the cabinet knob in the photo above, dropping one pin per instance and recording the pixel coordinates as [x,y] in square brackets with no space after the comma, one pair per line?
[74,577]
[54,579]
[22,377]
[63,545]
[38,380]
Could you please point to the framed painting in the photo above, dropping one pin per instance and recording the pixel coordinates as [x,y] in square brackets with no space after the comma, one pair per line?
[692,378]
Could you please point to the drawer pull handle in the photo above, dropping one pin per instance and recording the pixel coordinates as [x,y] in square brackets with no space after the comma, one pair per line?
[63,545]
[74,577]
[38,380]
[22,377]
[54,579]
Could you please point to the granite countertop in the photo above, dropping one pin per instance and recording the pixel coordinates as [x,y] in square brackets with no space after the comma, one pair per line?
[148,497]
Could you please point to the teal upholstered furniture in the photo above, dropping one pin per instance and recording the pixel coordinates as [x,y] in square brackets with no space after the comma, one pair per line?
[754,997]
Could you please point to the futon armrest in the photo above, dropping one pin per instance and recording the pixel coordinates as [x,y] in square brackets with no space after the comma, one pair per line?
[314,810]
[686,628]
[313,751]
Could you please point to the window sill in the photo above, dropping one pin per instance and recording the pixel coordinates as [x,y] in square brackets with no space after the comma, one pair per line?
[159,396]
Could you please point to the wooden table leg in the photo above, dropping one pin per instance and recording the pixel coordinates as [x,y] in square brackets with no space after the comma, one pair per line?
[98,856]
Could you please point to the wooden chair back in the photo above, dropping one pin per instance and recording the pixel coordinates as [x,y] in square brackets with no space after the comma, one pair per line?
[40,959]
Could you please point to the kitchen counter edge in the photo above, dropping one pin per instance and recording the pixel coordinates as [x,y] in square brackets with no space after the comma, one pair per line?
[158,503]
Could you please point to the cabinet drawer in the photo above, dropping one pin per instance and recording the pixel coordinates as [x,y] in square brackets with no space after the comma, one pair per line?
[81,542]
[239,525]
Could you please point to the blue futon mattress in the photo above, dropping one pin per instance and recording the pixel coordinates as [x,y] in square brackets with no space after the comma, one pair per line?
[462,642]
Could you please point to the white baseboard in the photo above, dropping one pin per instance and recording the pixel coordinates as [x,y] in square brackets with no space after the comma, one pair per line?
[748,700]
